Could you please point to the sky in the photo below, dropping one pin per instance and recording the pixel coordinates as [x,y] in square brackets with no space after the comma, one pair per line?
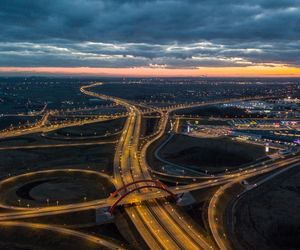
[150,37]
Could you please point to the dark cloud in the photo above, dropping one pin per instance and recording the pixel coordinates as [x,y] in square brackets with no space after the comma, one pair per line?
[126,33]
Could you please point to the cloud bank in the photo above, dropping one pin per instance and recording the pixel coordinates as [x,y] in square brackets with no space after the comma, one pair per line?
[149,33]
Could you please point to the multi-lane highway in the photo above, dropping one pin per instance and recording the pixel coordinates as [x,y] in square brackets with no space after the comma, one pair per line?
[24,212]
[166,227]
[160,223]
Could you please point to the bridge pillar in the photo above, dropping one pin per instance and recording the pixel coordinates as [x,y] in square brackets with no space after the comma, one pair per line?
[103,216]
[185,199]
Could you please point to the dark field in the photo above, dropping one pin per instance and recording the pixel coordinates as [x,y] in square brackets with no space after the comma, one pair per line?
[30,94]
[149,125]
[205,122]
[164,90]
[89,130]
[13,121]
[217,111]
[98,157]
[211,154]
[17,238]
[65,187]
[268,217]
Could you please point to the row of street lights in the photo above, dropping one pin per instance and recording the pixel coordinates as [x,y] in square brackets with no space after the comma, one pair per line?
[48,202]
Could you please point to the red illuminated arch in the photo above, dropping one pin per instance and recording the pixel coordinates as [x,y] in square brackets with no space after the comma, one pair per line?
[164,188]
[119,190]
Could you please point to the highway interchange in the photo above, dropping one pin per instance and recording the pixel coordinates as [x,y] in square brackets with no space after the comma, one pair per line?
[159,221]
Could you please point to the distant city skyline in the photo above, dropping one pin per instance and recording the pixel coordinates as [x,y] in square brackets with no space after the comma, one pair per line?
[278,71]
[151,38]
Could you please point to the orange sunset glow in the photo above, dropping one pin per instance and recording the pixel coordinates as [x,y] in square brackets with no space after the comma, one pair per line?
[252,71]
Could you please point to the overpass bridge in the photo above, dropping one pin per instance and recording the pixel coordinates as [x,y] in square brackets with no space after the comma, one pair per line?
[127,194]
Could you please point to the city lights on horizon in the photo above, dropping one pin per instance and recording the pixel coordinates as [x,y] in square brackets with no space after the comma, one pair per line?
[250,71]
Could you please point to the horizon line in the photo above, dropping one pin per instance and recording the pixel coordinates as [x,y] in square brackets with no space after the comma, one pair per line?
[148,72]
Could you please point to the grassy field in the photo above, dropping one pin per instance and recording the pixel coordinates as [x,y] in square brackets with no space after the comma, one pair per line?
[148,126]
[212,122]
[217,111]
[13,238]
[99,128]
[201,121]
[268,217]
[210,153]
[6,122]
[98,157]
[65,187]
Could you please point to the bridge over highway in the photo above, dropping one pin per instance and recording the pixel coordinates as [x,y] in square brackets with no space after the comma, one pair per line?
[128,194]
[161,224]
